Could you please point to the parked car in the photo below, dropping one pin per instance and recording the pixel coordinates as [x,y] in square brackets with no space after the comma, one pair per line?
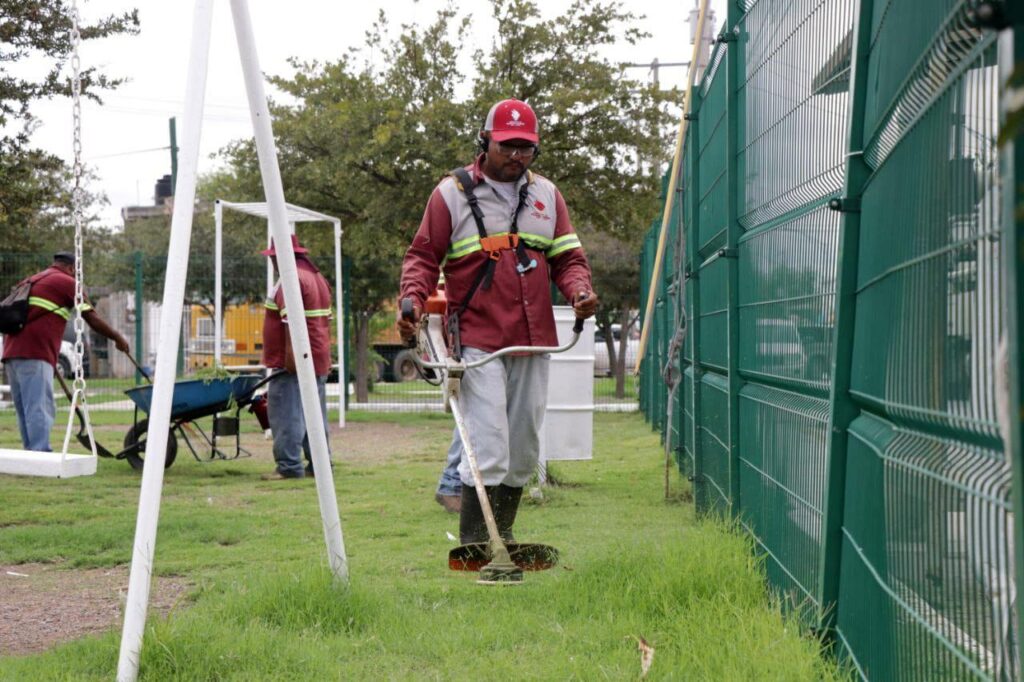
[602,366]
[779,348]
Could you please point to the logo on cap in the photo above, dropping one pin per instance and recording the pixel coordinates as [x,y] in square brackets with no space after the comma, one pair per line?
[511,119]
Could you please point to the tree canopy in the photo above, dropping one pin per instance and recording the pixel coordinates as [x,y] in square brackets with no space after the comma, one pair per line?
[367,137]
[34,185]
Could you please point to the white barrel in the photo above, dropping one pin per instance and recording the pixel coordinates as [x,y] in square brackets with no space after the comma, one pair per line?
[568,431]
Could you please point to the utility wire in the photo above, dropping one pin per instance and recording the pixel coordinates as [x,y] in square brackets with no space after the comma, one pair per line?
[137,151]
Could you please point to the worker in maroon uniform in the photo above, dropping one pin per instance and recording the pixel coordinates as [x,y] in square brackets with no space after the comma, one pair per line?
[284,402]
[30,356]
[503,234]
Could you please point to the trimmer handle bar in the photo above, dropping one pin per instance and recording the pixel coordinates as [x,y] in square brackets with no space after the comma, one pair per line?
[577,329]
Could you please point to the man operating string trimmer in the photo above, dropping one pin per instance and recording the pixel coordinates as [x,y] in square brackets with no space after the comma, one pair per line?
[503,233]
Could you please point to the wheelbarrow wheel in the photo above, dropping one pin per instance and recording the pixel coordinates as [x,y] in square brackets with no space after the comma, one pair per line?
[137,436]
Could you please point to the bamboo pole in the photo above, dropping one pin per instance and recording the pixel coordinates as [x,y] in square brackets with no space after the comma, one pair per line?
[676,162]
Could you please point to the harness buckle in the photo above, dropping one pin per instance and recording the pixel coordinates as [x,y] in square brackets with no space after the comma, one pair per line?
[493,246]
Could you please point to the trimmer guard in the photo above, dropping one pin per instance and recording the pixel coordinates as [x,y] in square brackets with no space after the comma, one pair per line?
[528,556]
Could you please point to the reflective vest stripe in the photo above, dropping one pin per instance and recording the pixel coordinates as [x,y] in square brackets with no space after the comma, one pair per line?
[469,245]
[463,247]
[535,241]
[49,306]
[562,244]
[315,312]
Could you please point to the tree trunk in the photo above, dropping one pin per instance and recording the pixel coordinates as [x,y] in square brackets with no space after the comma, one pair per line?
[361,322]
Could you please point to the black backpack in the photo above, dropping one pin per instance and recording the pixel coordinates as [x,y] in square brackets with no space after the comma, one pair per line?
[14,308]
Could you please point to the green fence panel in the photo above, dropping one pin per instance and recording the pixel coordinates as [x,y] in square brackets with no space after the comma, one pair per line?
[791,152]
[782,482]
[842,279]
[711,188]
[928,322]
[714,316]
[1012,421]
[713,441]
[687,465]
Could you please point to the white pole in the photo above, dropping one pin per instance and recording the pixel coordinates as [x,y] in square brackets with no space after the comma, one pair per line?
[278,216]
[218,275]
[339,284]
[167,350]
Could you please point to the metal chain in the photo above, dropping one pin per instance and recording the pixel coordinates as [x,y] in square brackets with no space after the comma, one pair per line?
[77,195]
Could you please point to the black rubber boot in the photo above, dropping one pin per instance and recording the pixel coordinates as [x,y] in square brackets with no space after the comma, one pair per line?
[505,500]
[472,527]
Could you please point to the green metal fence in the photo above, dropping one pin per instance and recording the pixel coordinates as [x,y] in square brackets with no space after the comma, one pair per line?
[841,237]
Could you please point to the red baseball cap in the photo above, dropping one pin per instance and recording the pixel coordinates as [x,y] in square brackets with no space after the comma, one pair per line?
[296,247]
[511,119]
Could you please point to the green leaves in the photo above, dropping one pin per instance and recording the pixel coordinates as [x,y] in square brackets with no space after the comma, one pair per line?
[369,135]
[35,197]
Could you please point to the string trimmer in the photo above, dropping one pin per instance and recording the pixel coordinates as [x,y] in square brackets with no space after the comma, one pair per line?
[498,562]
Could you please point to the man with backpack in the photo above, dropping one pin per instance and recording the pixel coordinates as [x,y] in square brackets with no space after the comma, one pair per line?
[30,355]
[503,235]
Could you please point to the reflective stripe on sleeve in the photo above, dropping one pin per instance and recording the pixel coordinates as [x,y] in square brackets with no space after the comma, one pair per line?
[564,243]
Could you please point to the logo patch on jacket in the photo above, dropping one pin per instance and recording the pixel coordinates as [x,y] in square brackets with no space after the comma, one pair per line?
[538,211]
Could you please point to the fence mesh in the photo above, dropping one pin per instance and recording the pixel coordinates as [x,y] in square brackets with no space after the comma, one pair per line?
[839,220]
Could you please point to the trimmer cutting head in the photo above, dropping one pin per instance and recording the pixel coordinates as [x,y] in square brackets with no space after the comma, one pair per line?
[526,556]
[500,573]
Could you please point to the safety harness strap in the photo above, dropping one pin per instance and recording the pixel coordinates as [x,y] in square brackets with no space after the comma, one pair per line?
[492,246]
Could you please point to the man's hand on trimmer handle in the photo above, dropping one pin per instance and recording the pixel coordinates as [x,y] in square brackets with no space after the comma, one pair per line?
[583,304]
[408,320]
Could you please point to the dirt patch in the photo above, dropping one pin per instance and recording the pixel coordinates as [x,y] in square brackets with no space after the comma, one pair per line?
[365,443]
[382,443]
[44,605]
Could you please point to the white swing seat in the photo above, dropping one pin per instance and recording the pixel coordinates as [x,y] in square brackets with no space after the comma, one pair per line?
[48,464]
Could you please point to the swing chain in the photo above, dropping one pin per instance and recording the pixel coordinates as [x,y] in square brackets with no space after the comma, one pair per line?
[77,195]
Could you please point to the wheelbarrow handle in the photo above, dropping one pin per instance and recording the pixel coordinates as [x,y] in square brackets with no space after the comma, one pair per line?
[139,367]
[265,380]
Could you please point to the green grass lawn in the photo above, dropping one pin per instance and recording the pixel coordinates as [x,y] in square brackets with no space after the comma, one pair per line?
[263,607]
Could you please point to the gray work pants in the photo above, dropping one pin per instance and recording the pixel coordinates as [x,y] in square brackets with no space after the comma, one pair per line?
[503,403]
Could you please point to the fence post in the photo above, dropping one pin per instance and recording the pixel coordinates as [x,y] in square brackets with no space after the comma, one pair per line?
[1011,58]
[646,390]
[346,306]
[842,407]
[734,120]
[139,308]
[693,291]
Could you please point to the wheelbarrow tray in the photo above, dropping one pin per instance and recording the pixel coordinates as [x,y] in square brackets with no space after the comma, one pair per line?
[196,398]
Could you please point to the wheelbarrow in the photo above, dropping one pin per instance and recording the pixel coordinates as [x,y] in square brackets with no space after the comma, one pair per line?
[193,399]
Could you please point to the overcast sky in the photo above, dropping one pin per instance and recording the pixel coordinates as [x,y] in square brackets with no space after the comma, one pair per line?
[135,117]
